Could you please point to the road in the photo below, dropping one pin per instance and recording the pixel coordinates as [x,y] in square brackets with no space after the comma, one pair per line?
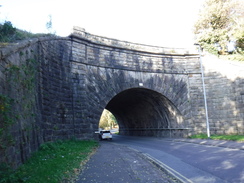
[190,162]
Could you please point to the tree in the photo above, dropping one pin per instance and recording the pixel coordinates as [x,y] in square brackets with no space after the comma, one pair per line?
[7,32]
[107,120]
[49,24]
[219,22]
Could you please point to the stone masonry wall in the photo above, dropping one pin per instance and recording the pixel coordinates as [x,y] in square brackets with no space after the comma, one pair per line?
[35,97]
[225,95]
[56,89]
[20,118]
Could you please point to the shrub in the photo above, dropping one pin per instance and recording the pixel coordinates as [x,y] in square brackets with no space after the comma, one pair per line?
[7,32]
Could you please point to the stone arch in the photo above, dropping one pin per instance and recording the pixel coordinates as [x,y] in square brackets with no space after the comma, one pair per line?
[162,99]
[102,68]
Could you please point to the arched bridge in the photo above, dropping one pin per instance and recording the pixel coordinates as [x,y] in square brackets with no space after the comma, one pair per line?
[57,88]
[150,90]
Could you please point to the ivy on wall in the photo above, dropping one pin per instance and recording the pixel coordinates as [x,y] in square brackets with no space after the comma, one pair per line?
[19,103]
[6,120]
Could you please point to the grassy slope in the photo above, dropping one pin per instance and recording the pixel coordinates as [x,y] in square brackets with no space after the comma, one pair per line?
[54,162]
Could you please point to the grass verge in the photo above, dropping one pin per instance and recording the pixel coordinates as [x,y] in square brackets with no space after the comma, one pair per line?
[55,162]
[239,138]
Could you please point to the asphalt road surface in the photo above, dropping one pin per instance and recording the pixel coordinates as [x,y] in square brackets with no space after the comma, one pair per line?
[190,162]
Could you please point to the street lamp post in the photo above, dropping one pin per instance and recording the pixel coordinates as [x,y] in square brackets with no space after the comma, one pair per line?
[204,90]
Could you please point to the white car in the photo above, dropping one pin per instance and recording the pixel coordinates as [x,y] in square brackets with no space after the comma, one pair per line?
[105,134]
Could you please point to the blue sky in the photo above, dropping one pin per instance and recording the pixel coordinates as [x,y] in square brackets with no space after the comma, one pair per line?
[155,22]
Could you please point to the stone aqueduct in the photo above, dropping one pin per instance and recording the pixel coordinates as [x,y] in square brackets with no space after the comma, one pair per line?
[59,87]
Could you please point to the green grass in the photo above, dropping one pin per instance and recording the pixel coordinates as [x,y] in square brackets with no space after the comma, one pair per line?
[54,162]
[239,138]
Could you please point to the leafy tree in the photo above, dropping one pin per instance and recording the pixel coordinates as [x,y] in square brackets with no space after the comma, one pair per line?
[220,21]
[107,120]
[7,32]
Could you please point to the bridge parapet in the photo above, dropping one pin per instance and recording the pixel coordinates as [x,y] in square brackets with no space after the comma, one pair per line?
[105,52]
[80,33]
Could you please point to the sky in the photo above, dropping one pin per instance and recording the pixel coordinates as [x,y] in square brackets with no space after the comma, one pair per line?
[167,23]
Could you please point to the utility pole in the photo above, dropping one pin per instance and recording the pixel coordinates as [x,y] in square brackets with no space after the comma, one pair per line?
[204,90]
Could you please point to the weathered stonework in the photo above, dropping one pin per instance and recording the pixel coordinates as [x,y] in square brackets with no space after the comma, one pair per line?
[60,87]
[225,90]
[110,67]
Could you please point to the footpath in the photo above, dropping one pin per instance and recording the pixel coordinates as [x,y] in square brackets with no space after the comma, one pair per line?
[113,163]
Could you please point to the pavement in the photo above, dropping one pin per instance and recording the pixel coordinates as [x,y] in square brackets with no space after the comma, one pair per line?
[113,163]
[217,143]
[117,163]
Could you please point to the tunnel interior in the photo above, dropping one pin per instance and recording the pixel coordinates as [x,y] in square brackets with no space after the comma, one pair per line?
[140,109]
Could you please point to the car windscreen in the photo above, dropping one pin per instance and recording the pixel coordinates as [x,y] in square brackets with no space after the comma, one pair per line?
[106,131]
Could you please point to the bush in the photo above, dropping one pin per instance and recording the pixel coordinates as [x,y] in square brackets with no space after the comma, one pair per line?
[10,34]
[7,32]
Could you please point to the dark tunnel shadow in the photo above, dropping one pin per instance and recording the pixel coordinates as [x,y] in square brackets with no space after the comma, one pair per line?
[144,112]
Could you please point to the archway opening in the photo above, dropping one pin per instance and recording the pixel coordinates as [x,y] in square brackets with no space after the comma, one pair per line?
[108,122]
[144,112]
